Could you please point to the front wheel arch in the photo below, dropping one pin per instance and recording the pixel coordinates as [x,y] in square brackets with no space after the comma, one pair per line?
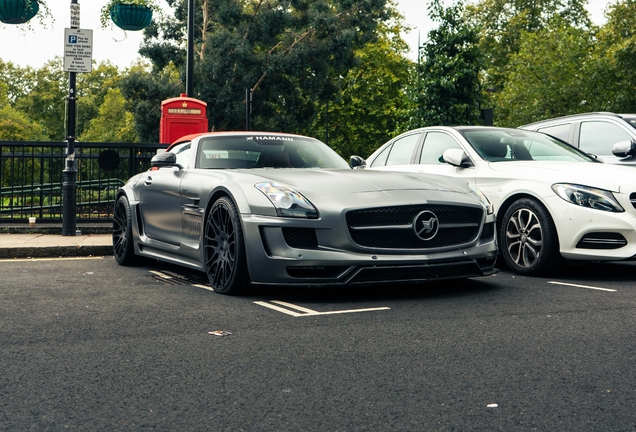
[122,232]
[536,251]
[223,247]
[503,207]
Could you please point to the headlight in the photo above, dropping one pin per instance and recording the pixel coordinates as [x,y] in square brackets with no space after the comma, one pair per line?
[584,196]
[490,209]
[288,202]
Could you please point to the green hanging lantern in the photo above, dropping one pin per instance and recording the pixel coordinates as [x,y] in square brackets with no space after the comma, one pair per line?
[18,11]
[130,16]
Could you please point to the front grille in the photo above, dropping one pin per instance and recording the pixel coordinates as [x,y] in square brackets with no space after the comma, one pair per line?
[300,238]
[632,199]
[392,227]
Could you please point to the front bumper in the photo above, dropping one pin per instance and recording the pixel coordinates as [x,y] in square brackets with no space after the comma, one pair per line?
[593,235]
[334,260]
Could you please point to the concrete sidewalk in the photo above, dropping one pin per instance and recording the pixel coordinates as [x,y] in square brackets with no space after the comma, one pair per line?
[48,242]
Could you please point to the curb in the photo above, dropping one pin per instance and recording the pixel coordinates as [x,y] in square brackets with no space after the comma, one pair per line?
[55,251]
[54,229]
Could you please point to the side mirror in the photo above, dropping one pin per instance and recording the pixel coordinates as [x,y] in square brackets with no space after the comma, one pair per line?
[164,159]
[624,149]
[457,157]
[357,162]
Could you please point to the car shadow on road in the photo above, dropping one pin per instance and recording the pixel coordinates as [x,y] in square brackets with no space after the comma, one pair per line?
[372,293]
[342,294]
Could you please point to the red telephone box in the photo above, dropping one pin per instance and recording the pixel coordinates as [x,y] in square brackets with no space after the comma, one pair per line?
[181,116]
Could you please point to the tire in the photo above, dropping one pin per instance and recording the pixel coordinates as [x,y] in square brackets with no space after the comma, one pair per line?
[224,249]
[123,246]
[528,239]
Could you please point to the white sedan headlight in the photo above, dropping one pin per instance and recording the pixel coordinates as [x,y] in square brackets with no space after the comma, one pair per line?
[288,202]
[585,196]
[490,209]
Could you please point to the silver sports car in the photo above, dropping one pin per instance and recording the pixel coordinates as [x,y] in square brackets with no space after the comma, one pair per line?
[267,208]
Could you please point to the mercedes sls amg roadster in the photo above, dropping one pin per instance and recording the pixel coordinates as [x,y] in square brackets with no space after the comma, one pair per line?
[261,208]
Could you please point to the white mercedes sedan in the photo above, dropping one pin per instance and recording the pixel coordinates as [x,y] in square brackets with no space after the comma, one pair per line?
[553,202]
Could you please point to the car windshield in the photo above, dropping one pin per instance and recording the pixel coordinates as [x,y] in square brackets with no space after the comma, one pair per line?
[266,151]
[502,145]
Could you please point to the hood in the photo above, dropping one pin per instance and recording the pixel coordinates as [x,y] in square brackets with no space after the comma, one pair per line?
[338,182]
[598,175]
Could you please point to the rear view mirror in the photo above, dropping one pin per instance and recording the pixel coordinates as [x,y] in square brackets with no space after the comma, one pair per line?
[164,159]
[624,149]
[357,162]
[457,157]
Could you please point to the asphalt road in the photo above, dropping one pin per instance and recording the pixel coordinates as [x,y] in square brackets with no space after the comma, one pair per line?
[87,345]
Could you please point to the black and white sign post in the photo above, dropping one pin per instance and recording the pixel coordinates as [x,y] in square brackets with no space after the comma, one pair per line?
[78,56]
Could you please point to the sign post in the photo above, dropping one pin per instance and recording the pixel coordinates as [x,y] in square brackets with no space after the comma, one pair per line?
[78,56]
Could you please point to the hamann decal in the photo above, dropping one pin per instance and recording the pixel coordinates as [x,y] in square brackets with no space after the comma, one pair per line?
[270,138]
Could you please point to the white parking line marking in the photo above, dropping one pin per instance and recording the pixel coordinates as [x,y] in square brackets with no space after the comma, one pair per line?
[351,311]
[205,287]
[293,306]
[581,286]
[161,275]
[279,309]
[173,274]
[51,259]
[310,312]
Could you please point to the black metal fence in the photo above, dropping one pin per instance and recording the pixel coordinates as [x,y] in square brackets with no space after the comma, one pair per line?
[31,176]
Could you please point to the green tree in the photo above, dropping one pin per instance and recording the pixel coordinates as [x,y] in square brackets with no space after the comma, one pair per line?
[15,126]
[502,23]
[16,84]
[113,123]
[449,71]
[372,105]
[549,75]
[615,67]
[144,89]
[45,102]
[40,96]
[287,51]
[19,80]
[92,90]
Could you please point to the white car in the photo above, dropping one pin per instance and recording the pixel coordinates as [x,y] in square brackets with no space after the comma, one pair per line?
[610,137]
[553,202]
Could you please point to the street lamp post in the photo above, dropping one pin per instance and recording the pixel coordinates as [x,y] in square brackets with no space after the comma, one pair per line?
[190,50]
[69,174]
[327,123]
[248,108]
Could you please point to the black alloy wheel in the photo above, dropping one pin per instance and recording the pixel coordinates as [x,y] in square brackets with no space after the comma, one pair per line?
[123,247]
[528,239]
[224,248]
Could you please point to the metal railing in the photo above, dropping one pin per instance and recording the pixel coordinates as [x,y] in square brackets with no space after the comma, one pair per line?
[31,178]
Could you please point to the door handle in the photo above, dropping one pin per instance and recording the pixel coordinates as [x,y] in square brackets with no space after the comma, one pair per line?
[148,181]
